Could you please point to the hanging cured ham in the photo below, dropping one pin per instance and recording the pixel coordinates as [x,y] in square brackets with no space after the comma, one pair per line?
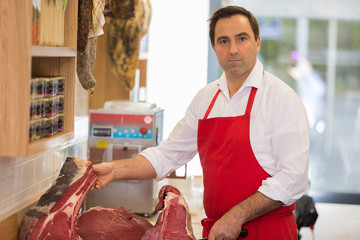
[123,42]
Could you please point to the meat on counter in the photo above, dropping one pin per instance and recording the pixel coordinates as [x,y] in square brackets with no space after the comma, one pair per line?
[55,216]
[174,222]
[111,224]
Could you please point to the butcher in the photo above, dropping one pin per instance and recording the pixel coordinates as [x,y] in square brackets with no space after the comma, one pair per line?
[252,135]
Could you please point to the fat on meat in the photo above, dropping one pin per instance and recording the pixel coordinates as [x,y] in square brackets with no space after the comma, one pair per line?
[174,222]
[55,214]
[100,223]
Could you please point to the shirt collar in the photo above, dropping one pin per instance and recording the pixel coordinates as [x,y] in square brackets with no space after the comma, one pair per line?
[254,79]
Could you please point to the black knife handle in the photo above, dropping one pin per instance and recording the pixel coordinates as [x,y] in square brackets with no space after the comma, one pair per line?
[243,233]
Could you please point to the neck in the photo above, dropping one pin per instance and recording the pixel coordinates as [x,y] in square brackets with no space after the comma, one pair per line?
[236,81]
[234,86]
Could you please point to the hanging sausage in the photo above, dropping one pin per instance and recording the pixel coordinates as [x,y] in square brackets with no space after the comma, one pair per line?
[90,22]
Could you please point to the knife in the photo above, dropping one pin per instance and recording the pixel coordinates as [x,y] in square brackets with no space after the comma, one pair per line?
[242,234]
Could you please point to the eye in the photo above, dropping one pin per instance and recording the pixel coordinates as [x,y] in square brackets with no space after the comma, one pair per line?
[223,41]
[241,39]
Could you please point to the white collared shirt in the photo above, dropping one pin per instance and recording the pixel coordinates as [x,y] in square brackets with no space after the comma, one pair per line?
[279,133]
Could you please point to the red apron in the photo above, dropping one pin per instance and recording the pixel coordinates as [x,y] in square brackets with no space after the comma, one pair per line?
[232,173]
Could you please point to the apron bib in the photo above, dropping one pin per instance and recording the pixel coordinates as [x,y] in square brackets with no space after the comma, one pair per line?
[231,173]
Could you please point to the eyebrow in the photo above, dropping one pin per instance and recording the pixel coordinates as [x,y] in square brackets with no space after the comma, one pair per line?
[242,34]
[221,38]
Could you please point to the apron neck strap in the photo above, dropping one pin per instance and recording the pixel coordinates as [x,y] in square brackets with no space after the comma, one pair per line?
[212,104]
[248,107]
[250,101]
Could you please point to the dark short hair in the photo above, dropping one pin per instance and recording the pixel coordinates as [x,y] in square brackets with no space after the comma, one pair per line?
[227,12]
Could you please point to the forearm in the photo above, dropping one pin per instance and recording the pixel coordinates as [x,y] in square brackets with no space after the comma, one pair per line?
[136,168]
[254,206]
[231,223]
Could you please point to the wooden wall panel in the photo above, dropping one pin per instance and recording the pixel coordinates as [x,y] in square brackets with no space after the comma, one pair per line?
[108,86]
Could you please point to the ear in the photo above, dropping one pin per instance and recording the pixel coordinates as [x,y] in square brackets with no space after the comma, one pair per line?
[258,43]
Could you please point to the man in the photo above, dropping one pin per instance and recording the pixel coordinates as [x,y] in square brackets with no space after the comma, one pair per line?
[251,132]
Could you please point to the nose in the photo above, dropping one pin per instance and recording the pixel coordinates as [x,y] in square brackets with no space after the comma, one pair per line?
[233,48]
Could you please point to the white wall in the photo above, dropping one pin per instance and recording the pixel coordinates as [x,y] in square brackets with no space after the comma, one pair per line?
[177,57]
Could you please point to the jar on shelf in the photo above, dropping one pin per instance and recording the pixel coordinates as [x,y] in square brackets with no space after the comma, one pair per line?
[50,106]
[60,119]
[40,87]
[60,85]
[61,103]
[50,87]
[37,129]
[39,109]
[49,126]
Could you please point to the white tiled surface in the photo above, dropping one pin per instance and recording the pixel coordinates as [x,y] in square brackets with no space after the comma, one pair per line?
[12,180]
[27,174]
[22,179]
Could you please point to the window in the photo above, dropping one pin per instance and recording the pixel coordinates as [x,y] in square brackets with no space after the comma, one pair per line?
[320,59]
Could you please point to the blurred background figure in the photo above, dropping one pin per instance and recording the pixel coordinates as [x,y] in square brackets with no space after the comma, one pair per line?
[311,88]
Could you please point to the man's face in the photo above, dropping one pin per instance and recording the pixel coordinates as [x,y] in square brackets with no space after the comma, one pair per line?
[235,46]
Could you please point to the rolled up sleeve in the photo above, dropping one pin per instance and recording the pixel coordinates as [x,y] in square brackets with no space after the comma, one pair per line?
[290,145]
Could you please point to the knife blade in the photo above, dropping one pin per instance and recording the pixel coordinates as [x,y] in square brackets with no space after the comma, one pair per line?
[242,234]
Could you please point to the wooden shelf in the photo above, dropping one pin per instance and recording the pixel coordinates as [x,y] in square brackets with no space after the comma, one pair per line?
[44,51]
[51,142]
[19,62]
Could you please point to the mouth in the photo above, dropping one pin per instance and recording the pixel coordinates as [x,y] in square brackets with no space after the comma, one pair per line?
[234,60]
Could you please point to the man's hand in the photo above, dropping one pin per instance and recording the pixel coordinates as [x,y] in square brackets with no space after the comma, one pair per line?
[227,227]
[136,168]
[230,224]
[105,174]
